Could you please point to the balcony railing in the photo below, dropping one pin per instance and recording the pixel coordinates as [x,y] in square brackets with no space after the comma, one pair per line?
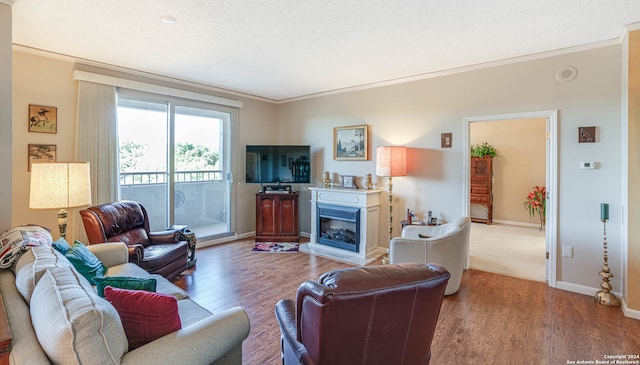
[151,178]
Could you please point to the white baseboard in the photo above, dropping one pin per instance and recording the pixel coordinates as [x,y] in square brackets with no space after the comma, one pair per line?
[514,223]
[628,312]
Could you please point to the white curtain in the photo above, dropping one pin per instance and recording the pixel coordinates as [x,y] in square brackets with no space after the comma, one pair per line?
[97,142]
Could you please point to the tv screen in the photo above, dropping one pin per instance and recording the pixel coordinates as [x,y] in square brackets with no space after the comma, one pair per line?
[267,164]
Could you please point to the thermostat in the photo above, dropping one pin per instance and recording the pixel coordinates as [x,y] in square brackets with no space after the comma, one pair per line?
[587,165]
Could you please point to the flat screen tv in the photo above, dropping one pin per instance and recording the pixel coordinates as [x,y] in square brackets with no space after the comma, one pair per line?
[270,164]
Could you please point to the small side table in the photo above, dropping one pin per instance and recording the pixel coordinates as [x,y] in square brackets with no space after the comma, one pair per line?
[190,237]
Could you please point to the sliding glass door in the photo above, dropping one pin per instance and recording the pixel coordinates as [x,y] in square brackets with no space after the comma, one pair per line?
[174,159]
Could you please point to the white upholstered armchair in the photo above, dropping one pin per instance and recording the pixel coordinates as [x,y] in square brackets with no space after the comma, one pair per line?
[446,245]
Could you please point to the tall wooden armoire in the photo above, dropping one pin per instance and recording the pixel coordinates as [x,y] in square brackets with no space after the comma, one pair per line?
[481,186]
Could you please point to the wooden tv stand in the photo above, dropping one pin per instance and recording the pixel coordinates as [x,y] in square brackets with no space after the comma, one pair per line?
[277,217]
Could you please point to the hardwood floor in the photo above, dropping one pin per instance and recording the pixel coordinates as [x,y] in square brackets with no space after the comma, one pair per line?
[493,319]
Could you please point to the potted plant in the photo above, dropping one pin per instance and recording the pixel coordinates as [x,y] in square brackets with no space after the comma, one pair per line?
[483,150]
[536,202]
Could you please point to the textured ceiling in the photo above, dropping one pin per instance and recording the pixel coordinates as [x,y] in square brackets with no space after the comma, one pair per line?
[283,49]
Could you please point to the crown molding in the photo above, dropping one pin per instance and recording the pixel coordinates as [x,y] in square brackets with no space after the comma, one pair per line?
[8,2]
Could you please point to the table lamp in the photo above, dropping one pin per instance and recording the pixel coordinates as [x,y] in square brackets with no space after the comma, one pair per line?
[60,185]
[391,161]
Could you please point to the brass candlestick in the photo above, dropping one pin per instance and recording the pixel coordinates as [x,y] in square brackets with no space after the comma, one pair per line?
[605,296]
[368,184]
[326,182]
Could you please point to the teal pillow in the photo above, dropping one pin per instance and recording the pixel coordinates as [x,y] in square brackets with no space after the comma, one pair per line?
[85,261]
[124,282]
[61,245]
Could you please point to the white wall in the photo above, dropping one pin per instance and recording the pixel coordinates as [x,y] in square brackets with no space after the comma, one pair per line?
[415,113]
[5,116]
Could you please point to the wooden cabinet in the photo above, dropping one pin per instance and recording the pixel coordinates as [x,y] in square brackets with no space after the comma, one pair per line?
[481,186]
[5,336]
[277,217]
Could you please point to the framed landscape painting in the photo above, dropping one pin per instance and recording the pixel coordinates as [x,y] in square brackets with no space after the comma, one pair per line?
[350,143]
[41,153]
[43,119]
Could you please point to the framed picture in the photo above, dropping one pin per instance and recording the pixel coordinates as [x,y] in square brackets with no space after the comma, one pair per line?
[586,134]
[445,140]
[350,143]
[41,153]
[43,119]
[348,181]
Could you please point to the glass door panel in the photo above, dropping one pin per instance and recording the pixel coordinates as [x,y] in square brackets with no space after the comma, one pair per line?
[201,164]
[142,136]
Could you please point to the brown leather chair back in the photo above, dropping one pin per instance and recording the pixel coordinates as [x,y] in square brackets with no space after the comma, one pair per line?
[371,315]
[123,221]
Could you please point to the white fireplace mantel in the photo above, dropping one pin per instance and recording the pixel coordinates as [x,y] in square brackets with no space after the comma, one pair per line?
[369,203]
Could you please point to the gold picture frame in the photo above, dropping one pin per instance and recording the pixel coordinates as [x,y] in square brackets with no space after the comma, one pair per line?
[41,153]
[43,119]
[351,143]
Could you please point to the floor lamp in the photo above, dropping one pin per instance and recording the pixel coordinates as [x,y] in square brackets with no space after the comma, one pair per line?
[60,185]
[391,161]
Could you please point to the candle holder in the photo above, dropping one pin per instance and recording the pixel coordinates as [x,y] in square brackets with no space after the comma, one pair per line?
[326,182]
[368,184]
[605,296]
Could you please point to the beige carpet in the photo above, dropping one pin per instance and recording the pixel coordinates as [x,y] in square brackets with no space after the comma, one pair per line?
[508,250]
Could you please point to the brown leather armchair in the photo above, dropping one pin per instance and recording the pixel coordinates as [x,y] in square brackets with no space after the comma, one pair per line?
[383,314]
[127,221]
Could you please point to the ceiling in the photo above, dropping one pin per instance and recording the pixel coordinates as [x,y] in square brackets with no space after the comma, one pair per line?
[285,49]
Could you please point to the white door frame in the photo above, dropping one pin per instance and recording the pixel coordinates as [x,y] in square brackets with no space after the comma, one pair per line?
[551,231]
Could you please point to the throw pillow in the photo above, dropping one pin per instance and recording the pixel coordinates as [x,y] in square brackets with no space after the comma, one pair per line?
[33,264]
[85,261]
[124,282]
[73,324]
[145,316]
[61,245]
[15,241]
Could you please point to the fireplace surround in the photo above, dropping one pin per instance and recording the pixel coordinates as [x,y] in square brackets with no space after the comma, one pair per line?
[345,224]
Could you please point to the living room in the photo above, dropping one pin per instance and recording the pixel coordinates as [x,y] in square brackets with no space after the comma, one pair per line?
[412,113]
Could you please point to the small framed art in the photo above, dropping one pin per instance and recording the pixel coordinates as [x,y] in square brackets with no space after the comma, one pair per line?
[445,140]
[586,134]
[43,119]
[41,153]
[350,143]
[348,181]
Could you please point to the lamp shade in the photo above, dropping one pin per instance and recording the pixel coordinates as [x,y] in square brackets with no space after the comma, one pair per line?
[391,161]
[60,185]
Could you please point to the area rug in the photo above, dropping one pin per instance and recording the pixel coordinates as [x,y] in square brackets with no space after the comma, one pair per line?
[276,247]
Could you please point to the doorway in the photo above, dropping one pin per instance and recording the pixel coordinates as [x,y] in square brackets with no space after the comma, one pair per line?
[550,180]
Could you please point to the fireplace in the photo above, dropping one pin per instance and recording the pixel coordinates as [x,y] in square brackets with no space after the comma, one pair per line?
[345,225]
[338,226]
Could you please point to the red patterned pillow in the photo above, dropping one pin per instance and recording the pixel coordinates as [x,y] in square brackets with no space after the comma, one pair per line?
[145,316]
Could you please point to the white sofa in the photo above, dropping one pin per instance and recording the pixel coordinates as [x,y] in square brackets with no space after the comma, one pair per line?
[447,245]
[37,323]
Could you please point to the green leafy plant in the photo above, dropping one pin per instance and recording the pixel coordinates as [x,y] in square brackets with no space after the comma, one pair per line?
[484,149]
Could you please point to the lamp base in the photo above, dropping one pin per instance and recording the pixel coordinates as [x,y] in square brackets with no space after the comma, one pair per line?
[606,298]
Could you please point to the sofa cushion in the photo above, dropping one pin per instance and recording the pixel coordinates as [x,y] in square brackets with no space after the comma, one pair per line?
[85,261]
[164,286]
[73,324]
[124,282]
[33,264]
[145,316]
[15,241]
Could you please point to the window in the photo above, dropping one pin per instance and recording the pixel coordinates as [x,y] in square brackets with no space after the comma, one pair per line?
[174,159]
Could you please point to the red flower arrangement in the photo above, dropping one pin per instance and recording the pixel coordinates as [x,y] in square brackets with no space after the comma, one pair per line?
[536,203]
